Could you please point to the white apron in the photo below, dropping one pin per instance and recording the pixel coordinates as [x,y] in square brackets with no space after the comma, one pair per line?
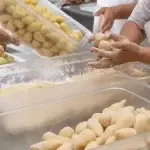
[118,24]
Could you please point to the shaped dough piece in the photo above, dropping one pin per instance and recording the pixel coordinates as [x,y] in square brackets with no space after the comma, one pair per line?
[80,127]
[4,18]
[38,36]
[124,133]
[96,116]
[28,37]
[110,140]
[91,145]
[109,131]
[33,27]
[66,132]
[115,106]
[47,145]
[85,137]
[10,25]
[18,24]
[125,120]
[94,125]
[48,136]
[142,123]
[105,119]
[66,146]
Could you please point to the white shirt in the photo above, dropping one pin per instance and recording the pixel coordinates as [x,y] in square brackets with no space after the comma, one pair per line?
[141,13]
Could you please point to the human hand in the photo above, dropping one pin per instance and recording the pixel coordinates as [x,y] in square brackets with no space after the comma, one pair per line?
[6,38]
[122,51]
[71,2]
[109,15]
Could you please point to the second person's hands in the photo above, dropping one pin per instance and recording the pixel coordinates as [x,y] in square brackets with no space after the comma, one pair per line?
[122,51]
[108,16]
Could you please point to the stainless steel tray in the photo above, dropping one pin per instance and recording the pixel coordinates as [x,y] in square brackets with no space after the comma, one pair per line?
[19,129]
[136,70]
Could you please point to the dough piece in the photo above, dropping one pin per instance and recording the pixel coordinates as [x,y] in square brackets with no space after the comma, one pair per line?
[105,119]
[142,123]
[110,140]
[4,18]
[47,145]
[80,127]
[85,137]
[115,106]
[96,116]
[66,146]
[66,132]
[48,136]
[124,133]
[91,145]
[94,125]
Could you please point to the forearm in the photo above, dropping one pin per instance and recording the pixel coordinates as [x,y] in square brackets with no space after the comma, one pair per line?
[145,55]
[132,31]
[123,11]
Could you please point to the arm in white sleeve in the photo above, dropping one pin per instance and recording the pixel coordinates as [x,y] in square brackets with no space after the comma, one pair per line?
[141,13]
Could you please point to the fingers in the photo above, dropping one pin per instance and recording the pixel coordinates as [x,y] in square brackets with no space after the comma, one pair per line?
[100,11]
[116,37]
[7,38]
[105,27]
[1,48]
[14,41]
[91,38]
[103,63]
[104,53]
[127,46]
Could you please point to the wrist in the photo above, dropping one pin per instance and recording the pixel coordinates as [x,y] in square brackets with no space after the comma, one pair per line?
[144,53]
[115,10]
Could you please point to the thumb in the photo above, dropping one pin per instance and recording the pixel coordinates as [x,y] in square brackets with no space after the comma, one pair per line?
[100,12]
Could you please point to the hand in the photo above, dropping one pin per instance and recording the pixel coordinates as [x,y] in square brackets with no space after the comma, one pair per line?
[71,2]
[109,15]
[6,38]
[122,51]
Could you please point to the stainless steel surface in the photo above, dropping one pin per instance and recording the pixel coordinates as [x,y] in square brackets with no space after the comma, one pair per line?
[19,129]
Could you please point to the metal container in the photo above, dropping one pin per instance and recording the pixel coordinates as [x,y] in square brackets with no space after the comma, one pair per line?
[135,70]
[21,128]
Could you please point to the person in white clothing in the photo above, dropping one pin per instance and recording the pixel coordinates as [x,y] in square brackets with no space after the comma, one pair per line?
[112,14]
[125,47]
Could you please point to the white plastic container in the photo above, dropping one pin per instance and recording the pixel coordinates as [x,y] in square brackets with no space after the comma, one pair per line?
[21,128]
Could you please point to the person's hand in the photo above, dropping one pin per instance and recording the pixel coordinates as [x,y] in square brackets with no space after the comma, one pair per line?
[6,38]
[108,16]
[122,51]
[71,2]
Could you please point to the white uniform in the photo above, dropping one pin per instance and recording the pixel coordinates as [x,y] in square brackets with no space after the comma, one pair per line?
[118,24]
[141,16]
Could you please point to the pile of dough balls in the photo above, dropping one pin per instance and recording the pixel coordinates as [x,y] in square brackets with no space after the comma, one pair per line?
[57,20]
[48,40]
[114,123]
